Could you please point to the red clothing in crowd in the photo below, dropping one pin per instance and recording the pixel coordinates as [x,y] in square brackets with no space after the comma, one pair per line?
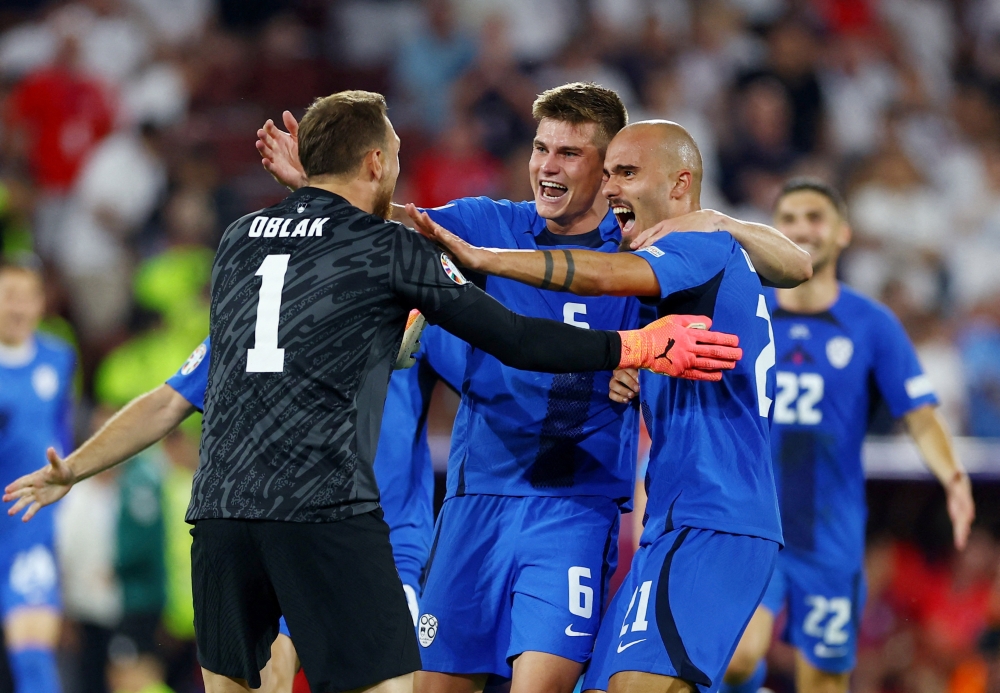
[63,115]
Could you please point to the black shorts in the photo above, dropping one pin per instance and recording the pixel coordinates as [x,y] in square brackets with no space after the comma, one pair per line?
[334,582]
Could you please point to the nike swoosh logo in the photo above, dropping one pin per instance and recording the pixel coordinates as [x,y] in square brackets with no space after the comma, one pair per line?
[670,345]
[622,647]
[570,632]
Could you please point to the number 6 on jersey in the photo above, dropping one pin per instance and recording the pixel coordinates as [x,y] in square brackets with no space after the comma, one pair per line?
[265,356]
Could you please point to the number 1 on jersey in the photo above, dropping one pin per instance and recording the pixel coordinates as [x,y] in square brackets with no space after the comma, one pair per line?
[265,356]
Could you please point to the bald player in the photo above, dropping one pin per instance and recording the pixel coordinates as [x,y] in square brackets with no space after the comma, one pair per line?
[711,533]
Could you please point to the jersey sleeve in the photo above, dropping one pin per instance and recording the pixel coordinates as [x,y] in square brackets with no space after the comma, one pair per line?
[900,377]
[425,278]
[191,379]
[688,259]
[469,218]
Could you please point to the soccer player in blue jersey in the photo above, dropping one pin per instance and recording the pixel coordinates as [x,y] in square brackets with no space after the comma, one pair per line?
[540,464]
[402,463]
[36,395]
[712,530]
[838,354]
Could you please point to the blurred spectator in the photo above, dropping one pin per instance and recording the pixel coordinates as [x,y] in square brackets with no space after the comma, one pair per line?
[942,362]
[55,117]
[113,45]
[457,167]
[497,93]
[759,152]
[538,28]
[858,85]
[900,228]
[116,194]
[288,73]
[792,59]
[427,66]
[980,346]
[175,22]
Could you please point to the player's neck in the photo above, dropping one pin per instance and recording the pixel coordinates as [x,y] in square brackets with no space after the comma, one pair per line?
[583,223]
[13,355]
[355,191]
[813,296]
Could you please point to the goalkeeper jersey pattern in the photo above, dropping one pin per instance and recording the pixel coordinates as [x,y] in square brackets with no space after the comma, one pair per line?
[309,302]
[521,433]
[833,369]
[710,458]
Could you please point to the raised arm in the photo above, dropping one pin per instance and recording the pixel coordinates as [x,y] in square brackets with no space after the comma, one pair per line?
[932,437]
[582,272]
[142,422]
[778,261]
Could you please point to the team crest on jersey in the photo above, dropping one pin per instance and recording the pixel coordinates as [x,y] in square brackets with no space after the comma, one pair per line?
[45,380]
[427,627]
[194,359]
[302,207]
[839,351]
[452,271]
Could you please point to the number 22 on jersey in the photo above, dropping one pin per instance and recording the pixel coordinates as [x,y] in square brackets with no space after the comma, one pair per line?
[265,356]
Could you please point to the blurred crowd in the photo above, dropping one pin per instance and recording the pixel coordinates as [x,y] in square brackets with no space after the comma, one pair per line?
[127,145]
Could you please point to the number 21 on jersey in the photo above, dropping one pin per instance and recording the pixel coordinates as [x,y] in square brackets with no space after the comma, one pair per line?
[265,356]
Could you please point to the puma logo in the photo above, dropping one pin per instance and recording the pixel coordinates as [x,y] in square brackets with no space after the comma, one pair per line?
[670,345]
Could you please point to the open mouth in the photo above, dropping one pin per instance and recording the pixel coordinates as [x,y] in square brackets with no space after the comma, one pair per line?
[552,191]
[625,217]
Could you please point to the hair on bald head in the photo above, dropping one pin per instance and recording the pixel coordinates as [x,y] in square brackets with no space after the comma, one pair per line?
[675,141]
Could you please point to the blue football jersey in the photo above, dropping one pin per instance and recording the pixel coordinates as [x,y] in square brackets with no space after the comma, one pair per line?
[36,405]
[521,433]
[710,459]
[833,368]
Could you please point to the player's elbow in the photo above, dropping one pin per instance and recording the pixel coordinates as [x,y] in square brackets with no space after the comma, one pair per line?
[799,270]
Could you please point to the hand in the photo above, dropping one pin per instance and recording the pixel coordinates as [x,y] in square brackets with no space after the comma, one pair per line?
[40,488]
[961,507]
[681,346]
[704,220]
[279,152]
[465,254]
[624,385]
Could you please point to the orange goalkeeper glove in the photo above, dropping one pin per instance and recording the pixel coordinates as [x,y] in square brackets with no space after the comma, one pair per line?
[681,346]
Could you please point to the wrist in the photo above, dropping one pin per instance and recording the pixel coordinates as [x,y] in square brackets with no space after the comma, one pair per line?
[958,478]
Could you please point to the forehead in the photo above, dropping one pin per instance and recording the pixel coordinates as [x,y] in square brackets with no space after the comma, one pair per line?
[627,149]
[803,201]
[560,133]
[19,279]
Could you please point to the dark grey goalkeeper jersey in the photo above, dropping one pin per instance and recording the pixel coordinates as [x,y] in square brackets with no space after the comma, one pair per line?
[309,302]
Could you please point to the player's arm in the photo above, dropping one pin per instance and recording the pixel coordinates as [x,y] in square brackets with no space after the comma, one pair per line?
[778,261]
[142,422]
[422,277]
[931,436]
[582,272]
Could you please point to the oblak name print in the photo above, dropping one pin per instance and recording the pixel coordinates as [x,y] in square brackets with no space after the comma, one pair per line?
[271,227]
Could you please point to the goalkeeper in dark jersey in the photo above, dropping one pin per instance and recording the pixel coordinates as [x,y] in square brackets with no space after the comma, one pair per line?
[285,504]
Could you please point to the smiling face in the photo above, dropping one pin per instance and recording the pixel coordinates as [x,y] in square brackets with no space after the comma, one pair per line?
[652,172]
[565,169]
[811,220]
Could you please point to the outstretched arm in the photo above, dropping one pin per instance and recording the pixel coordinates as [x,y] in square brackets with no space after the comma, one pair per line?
[142,422]
[932,437]
[778,261]
[582,272]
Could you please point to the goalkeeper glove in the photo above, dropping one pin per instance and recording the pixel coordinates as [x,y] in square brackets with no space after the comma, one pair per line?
[681,346]
[415,324]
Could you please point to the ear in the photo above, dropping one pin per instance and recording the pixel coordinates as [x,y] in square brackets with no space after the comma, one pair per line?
[374,164]
[683,185]
[844,235]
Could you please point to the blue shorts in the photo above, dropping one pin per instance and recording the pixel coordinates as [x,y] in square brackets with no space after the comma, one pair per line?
[29,577]
[824,607]
[683,607]
[510,574]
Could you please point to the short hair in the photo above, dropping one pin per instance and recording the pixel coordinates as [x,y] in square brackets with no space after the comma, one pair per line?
[23,261]
[807,184]
[583,102]
[337,132]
